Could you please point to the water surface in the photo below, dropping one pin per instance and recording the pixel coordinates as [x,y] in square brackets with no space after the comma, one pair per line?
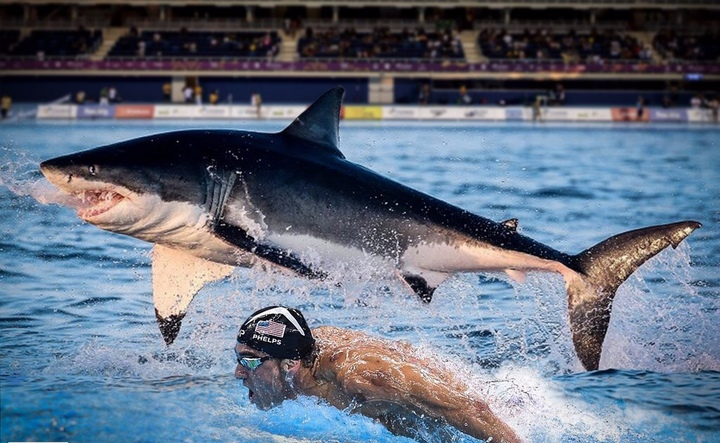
[81,357]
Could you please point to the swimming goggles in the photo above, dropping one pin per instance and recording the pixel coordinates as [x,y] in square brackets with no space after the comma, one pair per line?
[251,363]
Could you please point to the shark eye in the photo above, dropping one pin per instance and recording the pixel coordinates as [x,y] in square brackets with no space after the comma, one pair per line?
[92,169]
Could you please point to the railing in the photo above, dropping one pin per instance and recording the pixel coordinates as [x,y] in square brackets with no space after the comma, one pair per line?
[208,24]
[579,26]
[415,3]
[354,67]
[16,60]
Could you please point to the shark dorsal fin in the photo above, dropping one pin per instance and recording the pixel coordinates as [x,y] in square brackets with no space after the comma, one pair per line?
[320,123]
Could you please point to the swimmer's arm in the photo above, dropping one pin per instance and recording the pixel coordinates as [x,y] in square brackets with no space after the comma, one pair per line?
[407,384]
[469,415]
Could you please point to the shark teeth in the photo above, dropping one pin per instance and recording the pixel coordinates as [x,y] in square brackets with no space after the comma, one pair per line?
[95,203]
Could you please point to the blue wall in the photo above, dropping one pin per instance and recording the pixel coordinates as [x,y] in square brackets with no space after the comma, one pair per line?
[149,89]
[407,90]
[42,89]
[284,90]
[45,88]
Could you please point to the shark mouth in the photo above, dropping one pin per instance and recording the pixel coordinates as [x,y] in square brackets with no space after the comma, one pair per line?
[93,203]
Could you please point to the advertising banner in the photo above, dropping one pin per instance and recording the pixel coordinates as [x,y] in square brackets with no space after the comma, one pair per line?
[629,115]
[212,112]
[400,112]
[483,113]
[692,71]
[95,111]
[668,115]
[701,116]
[57,111]
[517,114]
[363,112]
[177,111]
[283,112]
[441,113]
[248,112]
[576,114]
[271,112]
[134,111]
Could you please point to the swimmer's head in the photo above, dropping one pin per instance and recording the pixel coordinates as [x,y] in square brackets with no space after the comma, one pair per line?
[279,332]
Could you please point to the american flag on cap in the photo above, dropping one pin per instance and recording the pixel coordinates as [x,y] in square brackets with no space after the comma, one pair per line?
[270,327]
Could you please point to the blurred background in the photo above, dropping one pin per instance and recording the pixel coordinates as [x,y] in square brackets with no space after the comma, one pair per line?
[434,52]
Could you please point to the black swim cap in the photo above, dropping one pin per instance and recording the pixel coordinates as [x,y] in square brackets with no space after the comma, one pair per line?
[277,331]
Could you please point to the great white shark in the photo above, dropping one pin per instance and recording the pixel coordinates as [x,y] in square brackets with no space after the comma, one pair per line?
[212,200]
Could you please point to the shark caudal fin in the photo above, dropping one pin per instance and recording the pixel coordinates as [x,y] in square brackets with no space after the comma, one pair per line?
[602,269]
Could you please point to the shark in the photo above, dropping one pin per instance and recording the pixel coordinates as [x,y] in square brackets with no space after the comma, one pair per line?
[213,200]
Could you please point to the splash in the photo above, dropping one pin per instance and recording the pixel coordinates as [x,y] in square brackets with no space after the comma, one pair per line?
[662,322]
[540,409]
[21,175]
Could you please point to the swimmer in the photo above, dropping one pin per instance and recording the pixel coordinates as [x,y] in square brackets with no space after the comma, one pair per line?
[280,358]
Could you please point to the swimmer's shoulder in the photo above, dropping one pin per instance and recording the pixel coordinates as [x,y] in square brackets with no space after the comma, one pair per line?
[340,335]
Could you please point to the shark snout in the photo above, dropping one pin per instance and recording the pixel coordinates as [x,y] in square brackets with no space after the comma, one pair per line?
[55,174]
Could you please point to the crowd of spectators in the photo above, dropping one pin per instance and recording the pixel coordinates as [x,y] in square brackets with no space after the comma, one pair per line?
[54,43]
[8,38]
[381,43]
[674,46]
[186,43]
[571,47]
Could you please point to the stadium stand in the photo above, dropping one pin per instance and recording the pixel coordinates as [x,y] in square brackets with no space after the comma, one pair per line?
[8,39]
[570,47]
[672,45]
[500,51]
[196,44]
[381,43]
[58,43]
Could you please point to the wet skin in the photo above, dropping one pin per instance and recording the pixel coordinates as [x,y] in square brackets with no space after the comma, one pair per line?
[384,380]
[265,383]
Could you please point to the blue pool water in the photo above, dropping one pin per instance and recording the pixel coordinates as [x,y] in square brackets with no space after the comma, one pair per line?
[82,360]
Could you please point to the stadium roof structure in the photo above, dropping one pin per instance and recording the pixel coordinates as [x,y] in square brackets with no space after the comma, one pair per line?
[499,4]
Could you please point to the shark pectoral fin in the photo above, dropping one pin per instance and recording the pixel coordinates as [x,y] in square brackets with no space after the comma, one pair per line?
[420,286]
[424,283]
[515,275]
[283,258]
[177,277]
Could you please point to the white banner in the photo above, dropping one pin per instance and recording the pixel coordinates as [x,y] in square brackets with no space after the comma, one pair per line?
[416,113]
[700,116]
[460,113]
[177,111]
[271,112]
[57,111]
[400,113]
[485,113]
[576,114]
[282,112]
[214,112]
[440,113]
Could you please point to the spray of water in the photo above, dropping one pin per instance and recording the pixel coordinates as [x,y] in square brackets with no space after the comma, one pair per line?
[21,175]
[661,322]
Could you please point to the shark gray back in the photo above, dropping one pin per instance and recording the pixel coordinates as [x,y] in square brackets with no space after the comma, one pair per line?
[211,200]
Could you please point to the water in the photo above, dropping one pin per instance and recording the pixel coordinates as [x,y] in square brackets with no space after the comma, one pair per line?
[82,358]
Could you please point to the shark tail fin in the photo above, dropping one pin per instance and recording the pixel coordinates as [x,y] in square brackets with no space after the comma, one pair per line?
[601,270]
